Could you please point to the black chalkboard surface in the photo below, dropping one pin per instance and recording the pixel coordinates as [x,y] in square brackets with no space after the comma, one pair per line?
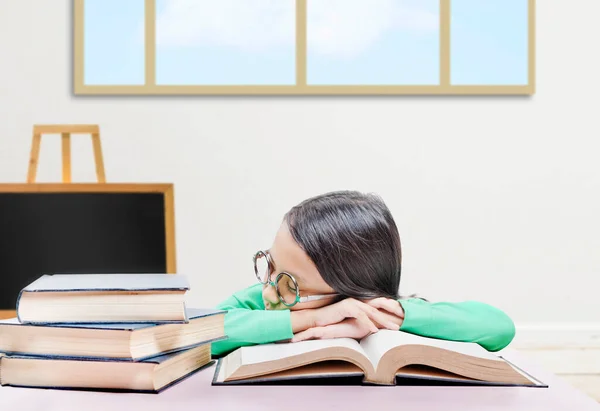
[82,228]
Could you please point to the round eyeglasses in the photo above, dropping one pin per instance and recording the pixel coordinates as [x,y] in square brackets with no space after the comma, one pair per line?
[285,284]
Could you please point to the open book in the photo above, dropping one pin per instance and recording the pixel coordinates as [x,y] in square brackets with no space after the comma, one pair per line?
[378,358]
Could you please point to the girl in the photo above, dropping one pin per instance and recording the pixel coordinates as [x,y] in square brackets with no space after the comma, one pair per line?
[333,271]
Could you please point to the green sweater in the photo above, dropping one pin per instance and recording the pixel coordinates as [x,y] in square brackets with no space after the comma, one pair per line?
[248,323]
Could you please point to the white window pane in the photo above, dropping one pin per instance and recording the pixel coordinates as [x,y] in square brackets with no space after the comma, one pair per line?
[114,42]
[489,42]
[373,42]
[226,42]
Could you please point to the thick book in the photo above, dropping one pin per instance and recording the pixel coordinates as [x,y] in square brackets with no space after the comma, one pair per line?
[379,359]
[149,376]
[130,342]
[104,298]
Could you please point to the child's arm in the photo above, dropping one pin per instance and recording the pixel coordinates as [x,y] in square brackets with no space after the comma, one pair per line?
[470,321]
[248,323]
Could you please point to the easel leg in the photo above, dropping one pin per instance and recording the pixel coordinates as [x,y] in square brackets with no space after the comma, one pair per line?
[98,158]
[34,157]
[66,157]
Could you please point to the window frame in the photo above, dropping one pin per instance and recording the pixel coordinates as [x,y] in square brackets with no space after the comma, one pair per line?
[301,87]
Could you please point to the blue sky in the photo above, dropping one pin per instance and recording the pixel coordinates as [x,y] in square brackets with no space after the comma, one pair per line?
[113,53]
[205,42]
[489,42]
[349,42]
[402,48]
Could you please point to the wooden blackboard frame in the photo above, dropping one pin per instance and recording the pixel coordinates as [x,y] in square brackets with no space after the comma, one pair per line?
[165,189]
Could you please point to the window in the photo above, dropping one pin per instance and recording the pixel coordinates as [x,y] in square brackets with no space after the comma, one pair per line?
[373,42]
[489,42]
[114,55]
[319,47]
[225,42]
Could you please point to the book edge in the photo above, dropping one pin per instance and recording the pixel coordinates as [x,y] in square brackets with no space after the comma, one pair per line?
[94,325]
[148,322]
[537,383]
[24,355]
[76,290]
[125,390]
[31,286]
[527,374]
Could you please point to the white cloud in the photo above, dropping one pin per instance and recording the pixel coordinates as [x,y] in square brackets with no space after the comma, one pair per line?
[345,28]
[340,28]
[246,24]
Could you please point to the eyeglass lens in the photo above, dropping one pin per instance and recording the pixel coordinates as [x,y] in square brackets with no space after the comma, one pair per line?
[285,285]
[262,268]
[286,288]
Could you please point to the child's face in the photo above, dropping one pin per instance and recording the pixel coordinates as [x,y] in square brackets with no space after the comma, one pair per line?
[289,257]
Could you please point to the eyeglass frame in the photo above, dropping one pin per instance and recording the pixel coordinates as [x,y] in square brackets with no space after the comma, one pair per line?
[270,265]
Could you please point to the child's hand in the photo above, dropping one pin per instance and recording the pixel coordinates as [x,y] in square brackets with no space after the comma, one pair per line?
[348,328]
[390,308]
[347,318]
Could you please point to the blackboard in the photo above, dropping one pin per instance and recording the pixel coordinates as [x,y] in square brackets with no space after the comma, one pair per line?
[89,228]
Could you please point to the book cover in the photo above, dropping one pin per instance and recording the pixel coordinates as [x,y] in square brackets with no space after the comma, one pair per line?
[192,313]
[108,282]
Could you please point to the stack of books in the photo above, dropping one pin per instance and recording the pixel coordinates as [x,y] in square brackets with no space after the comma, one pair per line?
[115,332]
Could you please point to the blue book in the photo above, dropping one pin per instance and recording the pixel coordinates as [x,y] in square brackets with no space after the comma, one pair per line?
[149,376]
[104,298]
[118,342]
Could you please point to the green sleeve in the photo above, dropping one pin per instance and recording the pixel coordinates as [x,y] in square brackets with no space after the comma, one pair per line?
[248,323]
[469,321]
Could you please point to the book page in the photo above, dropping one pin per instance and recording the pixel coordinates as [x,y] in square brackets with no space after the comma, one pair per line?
[276,351]
[376,345]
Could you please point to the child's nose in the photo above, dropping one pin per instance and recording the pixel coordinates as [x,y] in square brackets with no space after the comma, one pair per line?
[270,295]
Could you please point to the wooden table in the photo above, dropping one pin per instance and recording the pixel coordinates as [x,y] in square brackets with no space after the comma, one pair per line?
[196,393]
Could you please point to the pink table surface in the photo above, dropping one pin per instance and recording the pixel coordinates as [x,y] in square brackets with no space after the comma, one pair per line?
[196,393]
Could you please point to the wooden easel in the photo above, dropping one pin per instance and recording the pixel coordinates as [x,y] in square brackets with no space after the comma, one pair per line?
[65,131]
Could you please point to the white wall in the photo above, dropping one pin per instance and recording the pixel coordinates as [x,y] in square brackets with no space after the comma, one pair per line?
[496,198]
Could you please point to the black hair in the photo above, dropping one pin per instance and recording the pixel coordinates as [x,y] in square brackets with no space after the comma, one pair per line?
[353,241]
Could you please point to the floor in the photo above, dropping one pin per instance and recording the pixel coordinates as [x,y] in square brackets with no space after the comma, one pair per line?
[590,384]
[580,367]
